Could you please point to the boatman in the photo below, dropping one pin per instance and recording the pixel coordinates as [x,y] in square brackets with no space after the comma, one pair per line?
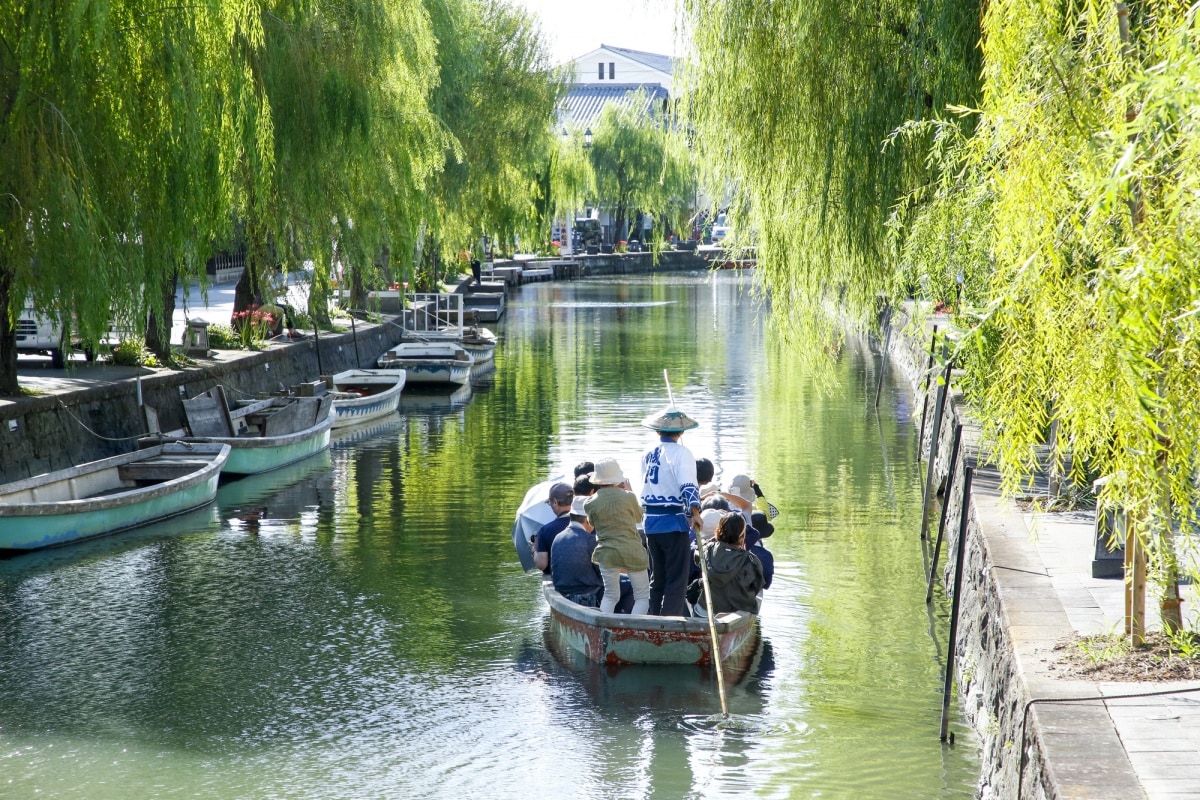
[671,501]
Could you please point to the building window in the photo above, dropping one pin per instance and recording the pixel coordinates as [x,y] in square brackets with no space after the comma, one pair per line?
[612,71]
[601,70]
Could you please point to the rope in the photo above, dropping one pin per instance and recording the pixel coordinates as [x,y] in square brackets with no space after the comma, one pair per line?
[1105,698]
[83,425]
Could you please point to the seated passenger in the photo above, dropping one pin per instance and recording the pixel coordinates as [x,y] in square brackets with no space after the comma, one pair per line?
[760,529]
[560,499]
[574,575]
[735,576]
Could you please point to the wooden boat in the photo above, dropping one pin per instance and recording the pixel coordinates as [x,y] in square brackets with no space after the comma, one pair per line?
[109,495]
[430,362]
[480,343]
[643,639]
[360,395]
[263,434]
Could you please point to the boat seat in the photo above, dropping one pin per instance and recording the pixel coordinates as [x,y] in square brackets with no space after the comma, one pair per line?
[158,471]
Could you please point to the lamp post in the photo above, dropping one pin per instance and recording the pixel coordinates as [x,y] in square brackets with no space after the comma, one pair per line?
[587,138]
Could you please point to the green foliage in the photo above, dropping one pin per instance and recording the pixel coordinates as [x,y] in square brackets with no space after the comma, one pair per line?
[641,163]
[224,337]
[133,353]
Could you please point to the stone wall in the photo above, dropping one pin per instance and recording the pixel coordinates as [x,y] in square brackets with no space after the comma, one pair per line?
[50,432]
[1010,620]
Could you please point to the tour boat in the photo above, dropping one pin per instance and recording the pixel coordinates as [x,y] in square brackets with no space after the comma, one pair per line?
[109,495]
[264,434]
[430,362]
[360,395]
[625,638]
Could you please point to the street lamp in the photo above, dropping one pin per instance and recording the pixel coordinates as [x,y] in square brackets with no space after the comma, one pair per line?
[587,138]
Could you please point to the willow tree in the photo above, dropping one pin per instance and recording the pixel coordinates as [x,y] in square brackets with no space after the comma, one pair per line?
[641,163]
[496,100]
[792,102]
[1062,190]
[339,141]
[110,178]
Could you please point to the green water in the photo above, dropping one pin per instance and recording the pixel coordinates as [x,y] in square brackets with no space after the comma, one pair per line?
[358,627]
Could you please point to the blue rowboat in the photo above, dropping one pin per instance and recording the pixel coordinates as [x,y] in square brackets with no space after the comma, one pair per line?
[361,395]
[430,362]
[263,435]
[109,495]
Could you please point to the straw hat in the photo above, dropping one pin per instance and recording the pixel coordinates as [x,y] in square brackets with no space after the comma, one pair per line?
[608,473]
[670,420]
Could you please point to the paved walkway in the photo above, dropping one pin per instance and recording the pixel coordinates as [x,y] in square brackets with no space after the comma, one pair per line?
[1160,734]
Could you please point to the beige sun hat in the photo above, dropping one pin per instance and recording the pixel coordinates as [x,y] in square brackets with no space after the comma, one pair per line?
[742,487]
[577,509]
[670,420]
[608,473]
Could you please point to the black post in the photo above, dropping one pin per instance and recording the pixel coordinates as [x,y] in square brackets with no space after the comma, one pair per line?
[925,390]
[956,603]
[935,437]
[354,335]
[937,543]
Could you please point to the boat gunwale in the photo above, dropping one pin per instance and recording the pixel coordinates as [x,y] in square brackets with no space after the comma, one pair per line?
[282,440]
[49,508]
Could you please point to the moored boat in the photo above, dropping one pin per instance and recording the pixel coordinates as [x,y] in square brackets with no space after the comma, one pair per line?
[430,362]
[480,343]
[109,495]
[644,639]
[263,435]
[360,395]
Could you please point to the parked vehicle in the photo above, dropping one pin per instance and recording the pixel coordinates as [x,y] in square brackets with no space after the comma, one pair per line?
[721,227]
[40,336]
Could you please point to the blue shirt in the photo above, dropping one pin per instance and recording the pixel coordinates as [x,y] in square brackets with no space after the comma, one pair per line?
[546,534]
[571,568]
[669,487]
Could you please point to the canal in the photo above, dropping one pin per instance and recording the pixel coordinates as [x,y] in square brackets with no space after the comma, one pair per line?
[358,627]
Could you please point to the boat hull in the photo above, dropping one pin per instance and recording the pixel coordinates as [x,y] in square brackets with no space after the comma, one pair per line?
[356,410]
[627,639]
[254,454]
[32,524]
[432,372]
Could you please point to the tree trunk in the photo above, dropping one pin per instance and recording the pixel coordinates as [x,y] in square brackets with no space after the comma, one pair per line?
[158,326]
[8,338]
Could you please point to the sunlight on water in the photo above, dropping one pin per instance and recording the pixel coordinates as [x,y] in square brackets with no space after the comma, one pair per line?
[357,626]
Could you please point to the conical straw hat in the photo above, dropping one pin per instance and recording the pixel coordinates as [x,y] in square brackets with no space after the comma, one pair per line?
[670,420]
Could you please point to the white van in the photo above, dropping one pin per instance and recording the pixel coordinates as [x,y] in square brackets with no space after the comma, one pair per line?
[721,227]
[40,335]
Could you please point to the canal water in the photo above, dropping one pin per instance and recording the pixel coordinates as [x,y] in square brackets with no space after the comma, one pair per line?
[357,626]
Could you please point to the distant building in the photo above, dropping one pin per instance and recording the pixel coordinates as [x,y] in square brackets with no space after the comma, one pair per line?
[617,75]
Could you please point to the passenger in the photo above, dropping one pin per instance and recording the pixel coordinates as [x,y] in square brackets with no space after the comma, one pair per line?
[615,513]
[574,575]
[759,530]
[671,500]
[704,471]
[560,499]
[584,487]
[735,576]
[584,468]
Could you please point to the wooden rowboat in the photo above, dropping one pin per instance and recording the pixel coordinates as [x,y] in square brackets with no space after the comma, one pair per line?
[360,395]
[263,434]
[430,362]
[644,639]
[109,495]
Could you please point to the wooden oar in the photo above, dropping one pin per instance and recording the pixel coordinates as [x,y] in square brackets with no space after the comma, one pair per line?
[712,626]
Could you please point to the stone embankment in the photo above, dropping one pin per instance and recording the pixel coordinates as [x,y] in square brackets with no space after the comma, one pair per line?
[1037,743]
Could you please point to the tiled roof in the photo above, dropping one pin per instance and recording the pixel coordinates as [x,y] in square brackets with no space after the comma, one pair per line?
[653,60]
[584,102]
